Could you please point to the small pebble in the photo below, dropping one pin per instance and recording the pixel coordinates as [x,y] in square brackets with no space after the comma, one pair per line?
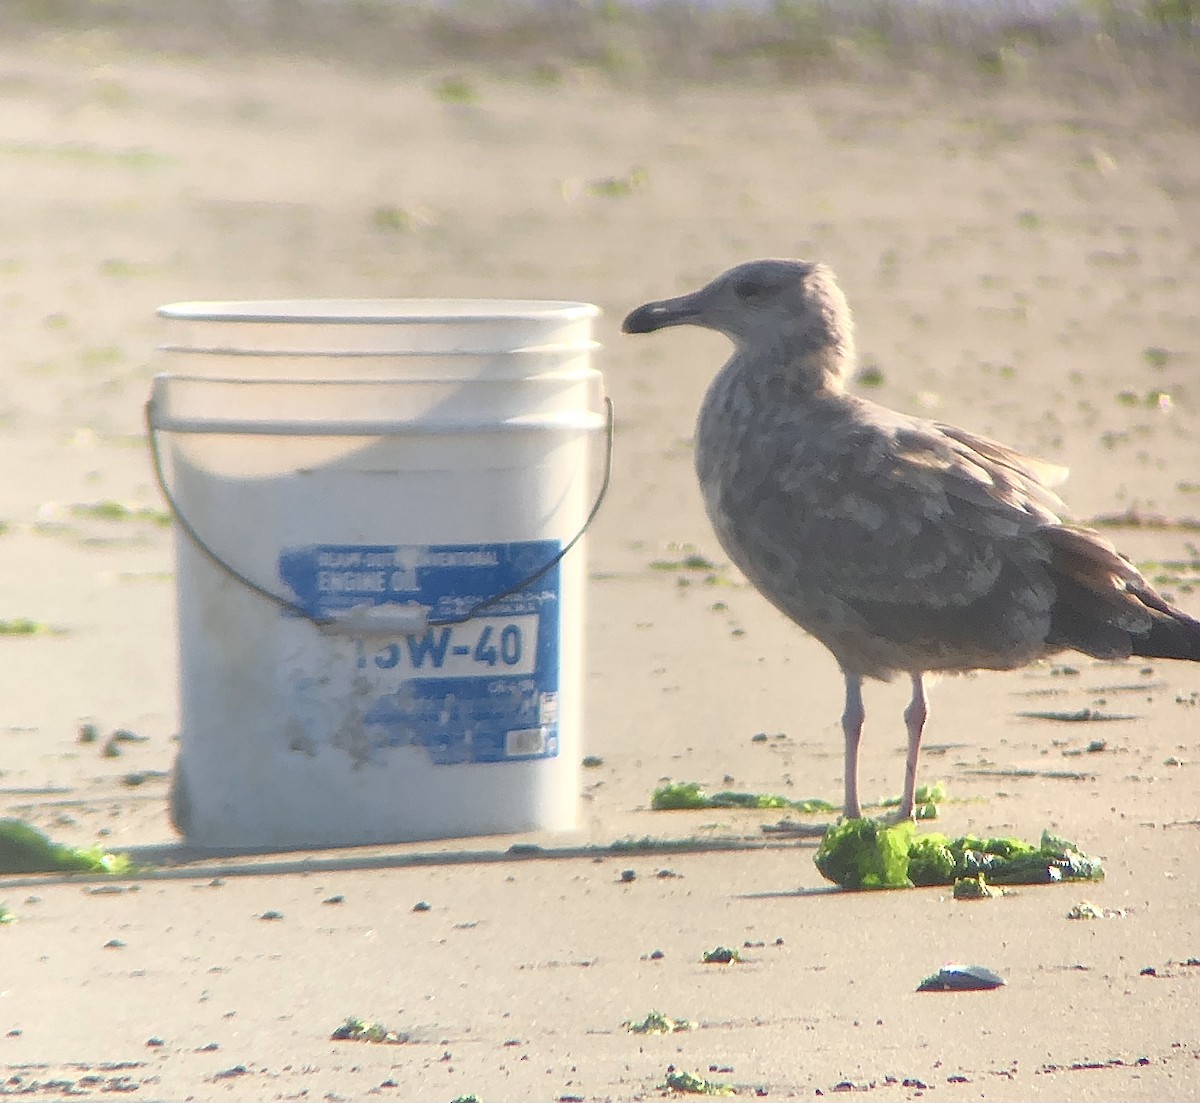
[422,906]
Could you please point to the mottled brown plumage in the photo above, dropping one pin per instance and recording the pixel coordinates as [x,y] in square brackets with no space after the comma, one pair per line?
[902,544]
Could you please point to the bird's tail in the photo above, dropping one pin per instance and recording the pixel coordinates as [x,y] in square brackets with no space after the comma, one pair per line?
[1173,634]
[1105,608]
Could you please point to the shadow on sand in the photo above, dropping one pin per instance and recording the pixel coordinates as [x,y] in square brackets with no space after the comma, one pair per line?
[180,862]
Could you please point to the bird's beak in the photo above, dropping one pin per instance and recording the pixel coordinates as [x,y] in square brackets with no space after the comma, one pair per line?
[659,315]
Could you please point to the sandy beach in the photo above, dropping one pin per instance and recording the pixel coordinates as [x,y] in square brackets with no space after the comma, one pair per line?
[1020,263]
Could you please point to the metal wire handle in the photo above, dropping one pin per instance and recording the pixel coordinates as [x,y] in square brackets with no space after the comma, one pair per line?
[334,622]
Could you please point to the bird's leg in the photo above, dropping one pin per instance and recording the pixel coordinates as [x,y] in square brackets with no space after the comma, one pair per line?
[852,724]
[914,721]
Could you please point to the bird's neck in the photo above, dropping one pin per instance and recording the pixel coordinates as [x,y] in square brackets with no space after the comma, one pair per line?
[755,390]
[790,373]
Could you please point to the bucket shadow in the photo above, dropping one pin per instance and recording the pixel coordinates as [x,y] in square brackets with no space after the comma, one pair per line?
[177,862]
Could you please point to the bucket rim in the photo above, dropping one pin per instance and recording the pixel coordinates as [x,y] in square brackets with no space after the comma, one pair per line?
[532,351]
[403,311]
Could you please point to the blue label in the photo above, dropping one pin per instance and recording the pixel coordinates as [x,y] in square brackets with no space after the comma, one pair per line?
[485,690]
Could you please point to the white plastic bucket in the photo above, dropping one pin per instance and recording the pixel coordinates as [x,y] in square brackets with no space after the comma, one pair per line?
[344,678]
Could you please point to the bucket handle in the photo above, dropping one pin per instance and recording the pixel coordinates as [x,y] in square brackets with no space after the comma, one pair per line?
[361,620]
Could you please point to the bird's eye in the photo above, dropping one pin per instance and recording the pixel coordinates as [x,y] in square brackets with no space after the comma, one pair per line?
[750,290]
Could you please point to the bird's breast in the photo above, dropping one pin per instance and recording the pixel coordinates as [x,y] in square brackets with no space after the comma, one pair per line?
[746,427]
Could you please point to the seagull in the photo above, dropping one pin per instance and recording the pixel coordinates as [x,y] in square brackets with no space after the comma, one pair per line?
[904,545]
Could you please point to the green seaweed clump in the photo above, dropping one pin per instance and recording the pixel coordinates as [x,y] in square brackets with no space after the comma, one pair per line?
[1015,862]
[691,794]
[679,794]
[109,510]
[360,1030]
[930,860]
[23,626]
[866,854]
[658,1023]
[24,849]
[683,1081]
[925,800]
[974,888]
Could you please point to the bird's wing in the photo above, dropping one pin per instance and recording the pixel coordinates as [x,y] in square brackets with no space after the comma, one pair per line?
[901,511]
[1030,467]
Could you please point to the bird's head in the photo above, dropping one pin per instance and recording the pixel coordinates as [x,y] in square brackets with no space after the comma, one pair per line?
[791,312]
